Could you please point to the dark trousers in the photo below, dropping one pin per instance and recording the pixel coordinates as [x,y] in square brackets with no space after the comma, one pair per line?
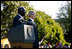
[36,44]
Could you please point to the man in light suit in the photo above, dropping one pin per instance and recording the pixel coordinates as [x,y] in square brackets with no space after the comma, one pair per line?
[18,20]
[31,22]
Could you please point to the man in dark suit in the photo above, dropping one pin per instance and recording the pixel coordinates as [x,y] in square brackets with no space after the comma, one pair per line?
[18,20]
[31,22]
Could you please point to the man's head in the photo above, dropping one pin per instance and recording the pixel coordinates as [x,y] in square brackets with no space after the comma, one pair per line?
[32,14]
[21,11]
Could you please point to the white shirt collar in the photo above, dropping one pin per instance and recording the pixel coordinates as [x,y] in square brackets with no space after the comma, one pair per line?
[21,18]
[19,15]
[32,19]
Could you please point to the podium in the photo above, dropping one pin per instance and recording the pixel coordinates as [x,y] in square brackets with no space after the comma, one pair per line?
[21,36]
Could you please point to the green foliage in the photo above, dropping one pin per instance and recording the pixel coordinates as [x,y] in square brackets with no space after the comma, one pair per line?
[46,25]
[65,19]
[65,13]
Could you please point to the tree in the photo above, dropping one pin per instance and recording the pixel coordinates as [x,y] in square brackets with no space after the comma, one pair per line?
[65,19]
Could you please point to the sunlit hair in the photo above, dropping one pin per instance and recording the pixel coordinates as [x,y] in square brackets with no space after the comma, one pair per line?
[31,13]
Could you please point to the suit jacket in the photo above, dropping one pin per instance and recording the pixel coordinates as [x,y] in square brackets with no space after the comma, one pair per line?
[36,44]
[18,20]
